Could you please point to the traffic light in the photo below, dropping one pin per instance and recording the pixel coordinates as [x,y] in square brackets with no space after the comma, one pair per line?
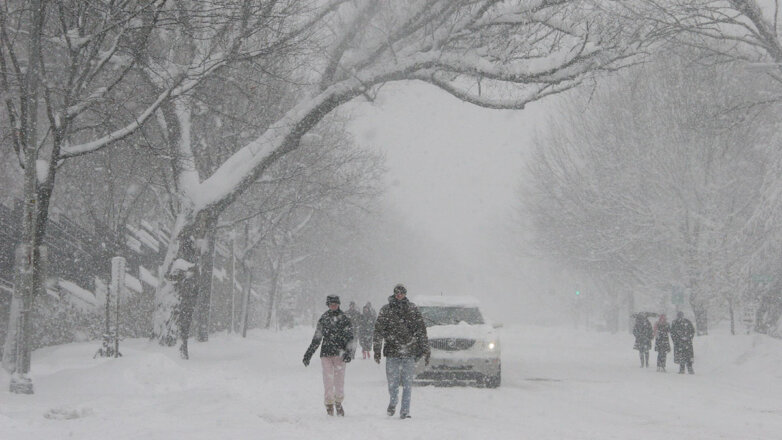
[578,293]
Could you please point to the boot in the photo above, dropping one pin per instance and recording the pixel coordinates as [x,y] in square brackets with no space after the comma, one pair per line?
[681,368]
[330,409]
[390,410]
[689,369]
[340,410]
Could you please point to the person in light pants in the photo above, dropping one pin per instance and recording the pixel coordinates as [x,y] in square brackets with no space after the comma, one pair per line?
[335,332]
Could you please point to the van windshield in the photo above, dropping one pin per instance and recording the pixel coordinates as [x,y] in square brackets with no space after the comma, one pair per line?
[450,315]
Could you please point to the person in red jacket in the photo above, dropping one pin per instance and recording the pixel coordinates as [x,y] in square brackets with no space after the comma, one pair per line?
[334,335]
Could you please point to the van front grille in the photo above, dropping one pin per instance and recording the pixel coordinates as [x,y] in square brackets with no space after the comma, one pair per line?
[451,344]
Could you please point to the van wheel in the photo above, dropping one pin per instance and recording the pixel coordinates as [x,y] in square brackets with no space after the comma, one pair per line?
[493,381]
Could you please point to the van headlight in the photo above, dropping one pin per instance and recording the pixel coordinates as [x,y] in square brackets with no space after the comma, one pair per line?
[491,346]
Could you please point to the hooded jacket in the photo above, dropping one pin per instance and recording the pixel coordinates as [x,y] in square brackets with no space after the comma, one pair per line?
[335,331]
[401,326]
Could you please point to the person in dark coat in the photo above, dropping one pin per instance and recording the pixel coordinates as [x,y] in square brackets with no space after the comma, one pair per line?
[682,332]
[355,320]
[643,337]
[400,333]
[334,335]
[366,330]
[662,344]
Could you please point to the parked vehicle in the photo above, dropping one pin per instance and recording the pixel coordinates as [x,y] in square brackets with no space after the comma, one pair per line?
[465,349]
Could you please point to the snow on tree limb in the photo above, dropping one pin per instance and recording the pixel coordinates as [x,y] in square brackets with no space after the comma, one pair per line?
[449,48]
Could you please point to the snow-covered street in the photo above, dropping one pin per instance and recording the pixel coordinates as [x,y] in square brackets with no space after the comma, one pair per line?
[557,384]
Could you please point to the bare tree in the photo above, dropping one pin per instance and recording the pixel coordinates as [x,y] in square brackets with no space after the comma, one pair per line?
[491,53]
[655,185]
[308,188]
[56,61]
[69,72]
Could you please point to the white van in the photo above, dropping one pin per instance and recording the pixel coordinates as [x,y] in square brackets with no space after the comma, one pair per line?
[465,348]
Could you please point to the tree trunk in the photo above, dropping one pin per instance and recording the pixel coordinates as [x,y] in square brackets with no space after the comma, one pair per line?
[732,317]
[11,345]
[700,309]
[232,285]
[701,321]
[34,218]
[206,266]
[246,291]
[30,274]
[177,295]
[272,295]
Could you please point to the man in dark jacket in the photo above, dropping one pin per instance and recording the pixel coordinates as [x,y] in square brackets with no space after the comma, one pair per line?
[401,326]
[336,333]
[682,332]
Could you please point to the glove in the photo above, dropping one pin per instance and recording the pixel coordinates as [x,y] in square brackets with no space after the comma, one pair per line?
[346,357]
[306,361]
[377,357]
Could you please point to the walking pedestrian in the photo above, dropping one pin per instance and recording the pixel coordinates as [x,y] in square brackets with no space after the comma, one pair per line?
[334,335]
[401,334]
[366,330]
[643,337]
[662,344]
[355,320]
[682,332]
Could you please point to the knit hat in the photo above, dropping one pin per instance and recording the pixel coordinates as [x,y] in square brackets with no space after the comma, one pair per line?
[400,288]
[332,299]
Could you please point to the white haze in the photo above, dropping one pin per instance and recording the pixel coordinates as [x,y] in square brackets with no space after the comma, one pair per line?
[453,173]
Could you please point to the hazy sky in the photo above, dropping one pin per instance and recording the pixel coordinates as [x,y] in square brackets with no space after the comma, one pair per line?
[452,167]
[453,170]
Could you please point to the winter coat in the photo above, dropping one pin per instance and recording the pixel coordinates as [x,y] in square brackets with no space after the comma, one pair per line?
[401,325]
[355,320]
[336,333]
[366,328]
[643,334]
[682,332]
[662,343]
